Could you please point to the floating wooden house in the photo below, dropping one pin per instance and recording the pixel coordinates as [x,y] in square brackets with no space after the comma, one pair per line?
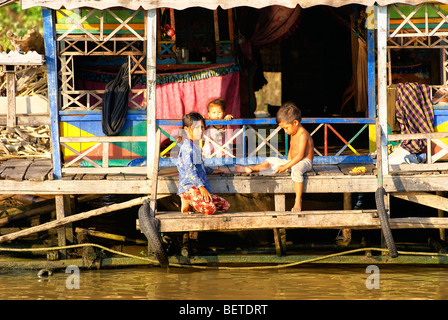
[87,42]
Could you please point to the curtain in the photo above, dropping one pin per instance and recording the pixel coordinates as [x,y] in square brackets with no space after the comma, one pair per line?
[274,24]
[182,92]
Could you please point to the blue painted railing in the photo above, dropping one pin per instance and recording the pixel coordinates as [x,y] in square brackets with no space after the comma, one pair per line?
[242,158]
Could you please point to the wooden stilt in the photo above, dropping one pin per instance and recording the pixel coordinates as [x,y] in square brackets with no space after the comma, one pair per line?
[347,233]
[73,218]
[88,253]
[280,234]
[441,214]
[185,251]
[11,93]
[62,210]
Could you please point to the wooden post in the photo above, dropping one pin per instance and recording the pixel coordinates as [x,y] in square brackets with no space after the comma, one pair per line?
[53,96]
[382,32]
[441,214]
[216,24]
[230,21]
[173,25]
[371,80]
[280,234]
[72,218]
[62,210]
[347,233]
[151,58]
[88,253]
[11,93]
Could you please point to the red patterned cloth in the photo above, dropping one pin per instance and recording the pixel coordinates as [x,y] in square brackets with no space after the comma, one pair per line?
[182,92]
[217,204]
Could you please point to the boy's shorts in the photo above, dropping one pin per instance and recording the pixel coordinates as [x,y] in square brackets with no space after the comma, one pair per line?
[297,170]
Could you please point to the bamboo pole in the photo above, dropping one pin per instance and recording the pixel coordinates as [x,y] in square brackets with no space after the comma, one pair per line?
[31,210]
[5,196]
[73,218]
[111,236]
[27,214]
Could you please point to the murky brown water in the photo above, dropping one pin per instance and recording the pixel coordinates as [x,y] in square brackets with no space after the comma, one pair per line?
[153,283]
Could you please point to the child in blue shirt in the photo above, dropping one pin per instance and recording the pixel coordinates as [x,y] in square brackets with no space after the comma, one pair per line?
[194,189]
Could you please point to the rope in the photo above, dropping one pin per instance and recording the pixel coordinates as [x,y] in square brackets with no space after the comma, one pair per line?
[286,265]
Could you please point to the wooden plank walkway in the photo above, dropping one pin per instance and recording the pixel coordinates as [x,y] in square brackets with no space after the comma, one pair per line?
[233,221]
[40,170]
[28,176]
[34,176]
[322,219]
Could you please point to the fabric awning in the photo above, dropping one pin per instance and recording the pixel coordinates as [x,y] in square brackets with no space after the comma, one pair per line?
[208,4]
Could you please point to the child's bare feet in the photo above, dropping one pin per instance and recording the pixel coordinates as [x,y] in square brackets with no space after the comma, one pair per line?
[185,207]
[242,169]
[297,207]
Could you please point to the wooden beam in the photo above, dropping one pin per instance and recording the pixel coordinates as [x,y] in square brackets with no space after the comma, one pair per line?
[441,214]
[62,203]
[230,184]
[409,136]
[53,95]
[31,211]
[176,222]
[73,218]
[27,120]
[354,219]
[420,167]
[151,64]
[423,198]
[419,223]
[34,209]
[155,172]
[371,62]
[347,203]
[104,139]
[382,24]
[280,234]
[108,170]
[111,236]
[11,93]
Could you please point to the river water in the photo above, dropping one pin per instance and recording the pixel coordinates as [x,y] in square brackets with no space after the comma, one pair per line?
[304,283]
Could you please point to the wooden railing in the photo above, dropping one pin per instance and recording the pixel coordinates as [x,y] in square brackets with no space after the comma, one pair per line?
[431,138]
[252,141]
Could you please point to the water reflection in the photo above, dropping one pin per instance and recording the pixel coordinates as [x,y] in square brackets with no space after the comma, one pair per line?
[309,282]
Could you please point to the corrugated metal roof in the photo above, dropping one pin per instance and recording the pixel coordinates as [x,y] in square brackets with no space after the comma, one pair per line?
[209,4]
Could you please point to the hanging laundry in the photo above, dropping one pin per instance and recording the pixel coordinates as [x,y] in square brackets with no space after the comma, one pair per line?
[414,113]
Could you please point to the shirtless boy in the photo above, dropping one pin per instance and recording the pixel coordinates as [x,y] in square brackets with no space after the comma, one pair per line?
[300,156]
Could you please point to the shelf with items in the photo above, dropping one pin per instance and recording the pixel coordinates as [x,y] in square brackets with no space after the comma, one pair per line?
[194,36]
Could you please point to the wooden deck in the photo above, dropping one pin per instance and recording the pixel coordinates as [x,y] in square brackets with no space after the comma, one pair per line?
[323,219]
[30,176]
[34,176]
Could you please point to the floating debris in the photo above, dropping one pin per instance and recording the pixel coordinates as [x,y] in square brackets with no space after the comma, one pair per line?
[44,273]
